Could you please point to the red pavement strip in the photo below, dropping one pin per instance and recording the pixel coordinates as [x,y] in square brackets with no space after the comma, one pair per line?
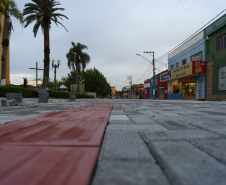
[59,148]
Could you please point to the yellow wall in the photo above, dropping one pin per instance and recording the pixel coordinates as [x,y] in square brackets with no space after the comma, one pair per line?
[2,19]
[8,61]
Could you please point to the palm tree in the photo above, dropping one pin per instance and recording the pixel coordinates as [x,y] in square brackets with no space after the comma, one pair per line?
[77,59]
[8,9]
[43,12]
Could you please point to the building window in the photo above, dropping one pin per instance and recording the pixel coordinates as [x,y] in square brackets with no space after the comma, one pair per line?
[177,64]
[221,42]
[184,61]
[171,67]
[222,78]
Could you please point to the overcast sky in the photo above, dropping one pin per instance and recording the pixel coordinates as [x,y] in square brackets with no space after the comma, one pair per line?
[114,31]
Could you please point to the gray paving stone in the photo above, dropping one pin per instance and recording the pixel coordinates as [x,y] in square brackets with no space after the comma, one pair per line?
[136,127]
[119,118]
[121,172]
[185,164]
[124,145]
[178,135]
[141,119]
[117,112]
[175,124]
[214,147]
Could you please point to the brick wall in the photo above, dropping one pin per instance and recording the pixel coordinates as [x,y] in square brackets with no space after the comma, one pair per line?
[210,95]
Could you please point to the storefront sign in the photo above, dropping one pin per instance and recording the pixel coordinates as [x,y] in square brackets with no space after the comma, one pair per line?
[182,71]
[166,76]
[187,80]
[193,67]
[222,78]
[198,67]
[215,26]
[147,85]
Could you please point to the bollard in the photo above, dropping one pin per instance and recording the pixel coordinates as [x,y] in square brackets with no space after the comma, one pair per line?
[43,96]
[72,96]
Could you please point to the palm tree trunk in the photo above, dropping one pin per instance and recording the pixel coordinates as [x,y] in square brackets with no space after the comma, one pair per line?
[77,78]
[46,57]
[5,44]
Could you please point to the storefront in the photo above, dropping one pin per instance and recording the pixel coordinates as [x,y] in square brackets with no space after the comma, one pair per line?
[154,91]
[147,89]
[162,85]
[188,81]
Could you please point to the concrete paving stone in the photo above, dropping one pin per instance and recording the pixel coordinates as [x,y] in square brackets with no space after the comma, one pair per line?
[141,119]
[132,112]
[136,128]
[121,172]
[119,118]
[178,135]
[174,124]
[184,164]
[117,112]
[213,126]
[124,145]
[214,147]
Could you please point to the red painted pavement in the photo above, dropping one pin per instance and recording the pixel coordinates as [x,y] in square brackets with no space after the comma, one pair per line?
[59,148]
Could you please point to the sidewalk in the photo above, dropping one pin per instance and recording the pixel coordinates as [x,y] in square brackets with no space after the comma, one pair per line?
[164,143]
[146,142]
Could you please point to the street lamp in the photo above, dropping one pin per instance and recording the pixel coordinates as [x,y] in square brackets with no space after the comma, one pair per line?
[153,63]
[55,66]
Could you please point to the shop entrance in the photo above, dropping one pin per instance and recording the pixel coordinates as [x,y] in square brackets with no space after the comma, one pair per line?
[161,91]
[199,89]
[189,92]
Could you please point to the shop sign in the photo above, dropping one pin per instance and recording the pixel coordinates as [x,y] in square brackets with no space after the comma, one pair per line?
[193,67]
[165,76]
[222,78]
[182,71]
[198,67]
[215,26]
[187,79]
[147,85]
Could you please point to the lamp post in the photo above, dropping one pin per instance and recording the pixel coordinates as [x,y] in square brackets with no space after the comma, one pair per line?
[55,66]
[153,63]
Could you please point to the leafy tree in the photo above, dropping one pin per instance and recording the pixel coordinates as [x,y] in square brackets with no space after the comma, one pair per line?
[77,59]
[93,79]
[96,82]
[43,12]
[8,9]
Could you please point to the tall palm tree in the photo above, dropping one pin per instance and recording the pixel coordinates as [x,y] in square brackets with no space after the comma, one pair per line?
[77,59]
[42,12]
[8,9]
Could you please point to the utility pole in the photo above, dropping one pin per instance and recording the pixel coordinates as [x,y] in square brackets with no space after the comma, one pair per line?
[153,63]
[36,73]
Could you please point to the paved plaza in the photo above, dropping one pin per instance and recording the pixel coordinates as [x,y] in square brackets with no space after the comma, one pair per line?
[159,142]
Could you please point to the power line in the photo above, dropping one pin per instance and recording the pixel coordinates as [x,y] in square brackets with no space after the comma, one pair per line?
[192,35]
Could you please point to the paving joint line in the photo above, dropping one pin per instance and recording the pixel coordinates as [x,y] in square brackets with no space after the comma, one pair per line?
[206,152]
[162,164]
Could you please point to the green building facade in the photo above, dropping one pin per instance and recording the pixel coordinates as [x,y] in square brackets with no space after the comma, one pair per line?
[215,47]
